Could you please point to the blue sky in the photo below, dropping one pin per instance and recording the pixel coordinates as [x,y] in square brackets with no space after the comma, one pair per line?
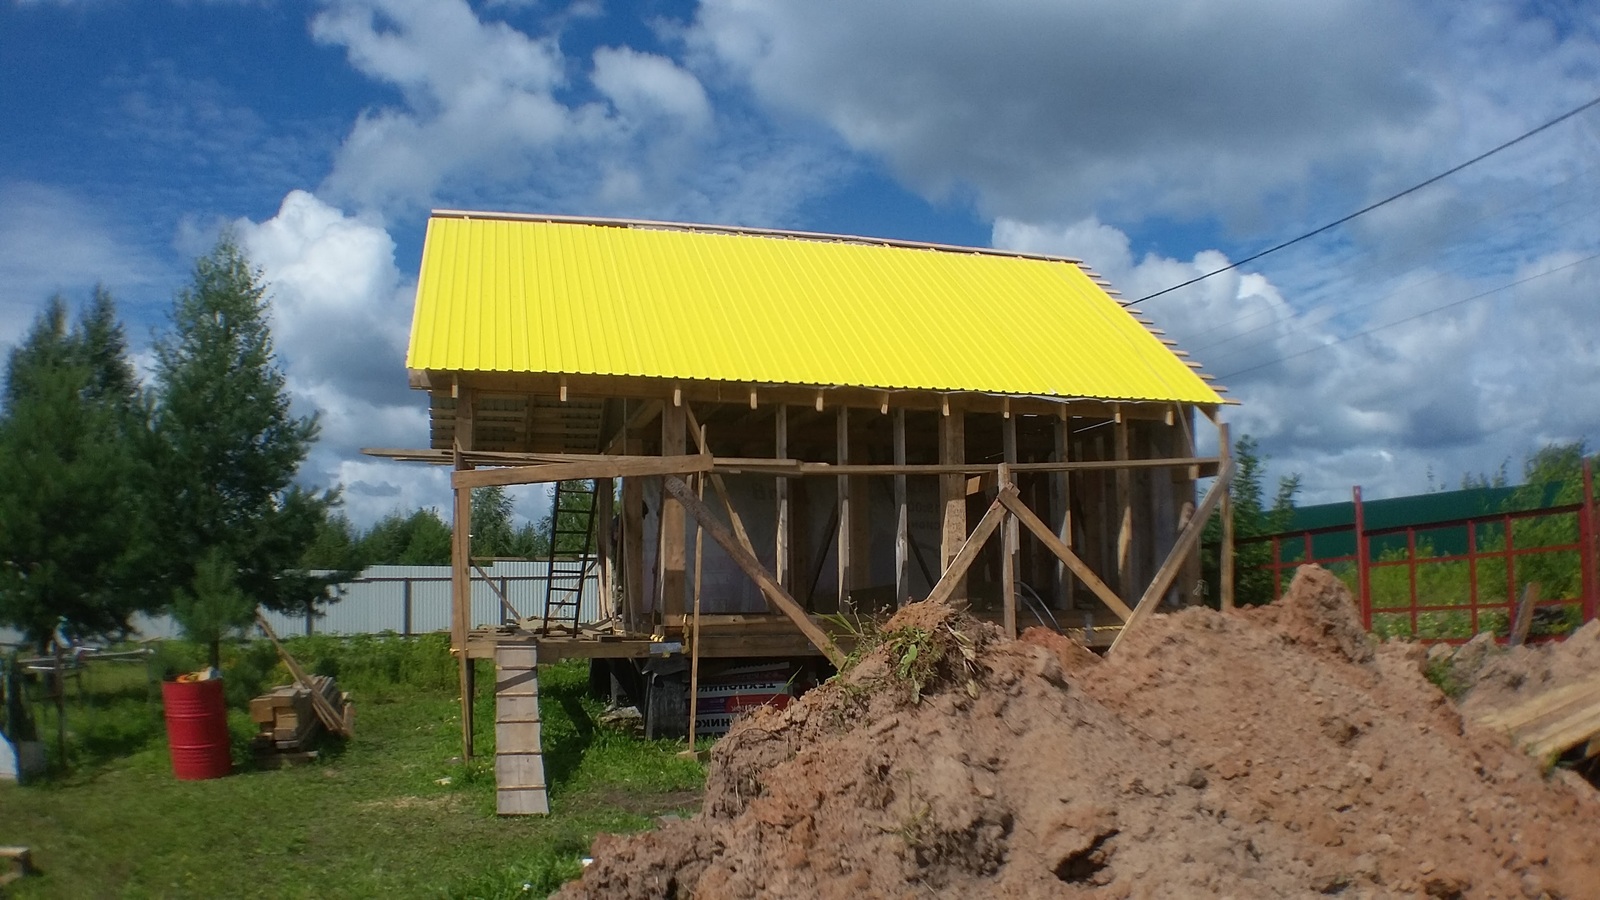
[1155,140]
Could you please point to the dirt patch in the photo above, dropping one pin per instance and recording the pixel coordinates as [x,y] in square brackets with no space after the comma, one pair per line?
[1274,752]
[1493,678]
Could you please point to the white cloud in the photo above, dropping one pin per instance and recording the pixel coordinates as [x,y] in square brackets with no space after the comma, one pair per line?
[1449,392]
[644,86]
[51,241]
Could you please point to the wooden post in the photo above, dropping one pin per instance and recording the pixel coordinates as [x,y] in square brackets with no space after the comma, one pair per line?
[902,521]
[781,561]
[953,495]
[674,584]
[752,568]
[1008,559]
[605,496]
[461,607]
[694,639]
[1186,542]
[1061,506]
[1522,620]
[1124,481]
[1364,561]
[1586,547]
[842,457]
[461,567]
[1225,552]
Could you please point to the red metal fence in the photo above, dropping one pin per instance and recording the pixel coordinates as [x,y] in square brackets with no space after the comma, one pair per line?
[1447,581]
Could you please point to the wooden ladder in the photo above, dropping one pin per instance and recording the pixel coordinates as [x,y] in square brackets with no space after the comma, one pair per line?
[518,756]
[571,553]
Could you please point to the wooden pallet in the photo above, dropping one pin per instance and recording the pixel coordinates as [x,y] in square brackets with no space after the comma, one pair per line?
[518,755]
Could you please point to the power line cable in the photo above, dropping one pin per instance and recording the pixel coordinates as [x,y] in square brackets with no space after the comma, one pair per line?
[1412,318]
[1366,209]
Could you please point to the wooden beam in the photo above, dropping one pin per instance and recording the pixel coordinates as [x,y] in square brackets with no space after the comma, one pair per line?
[1068,558]
[632,554]
[641,417]
[1523,620]
[956,572]
[781,539]
[605,497]
[752,567]
[505,603]
[461,607]
[1008,540]
[797,468]
[1124,509]
[612,467]
[672,562]
[902,521]
[1061,508]
[1187,540]
[953,498]
[842,551]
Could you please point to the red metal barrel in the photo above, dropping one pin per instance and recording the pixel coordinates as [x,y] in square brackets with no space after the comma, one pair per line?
[197,729]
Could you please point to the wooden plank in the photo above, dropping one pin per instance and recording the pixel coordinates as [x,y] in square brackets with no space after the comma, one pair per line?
[1061,509]
[752,567]
[519,771]
[1186,542]
[641,417]
[632,554]
[500,595]
[902,520]
[616,467]
[516,656]
[1542,706]
[460,559]
[331,718]
[1206,464]
[953,498]
[1124,480]
[956,571]
[529,802]
[1068,558]
[842,550]
[1523,620]
[672,563]
[516,737]
[516,707]
[605,497]
[782,539]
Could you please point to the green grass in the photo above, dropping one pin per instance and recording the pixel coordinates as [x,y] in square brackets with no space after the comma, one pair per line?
[370,818]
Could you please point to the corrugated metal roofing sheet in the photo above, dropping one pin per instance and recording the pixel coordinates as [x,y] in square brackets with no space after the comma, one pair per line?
[529,295]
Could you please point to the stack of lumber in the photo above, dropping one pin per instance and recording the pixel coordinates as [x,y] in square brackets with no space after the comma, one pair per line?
[1553,722]
[288,717]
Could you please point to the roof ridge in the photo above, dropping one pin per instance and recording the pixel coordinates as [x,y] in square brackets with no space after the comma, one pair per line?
[747,231]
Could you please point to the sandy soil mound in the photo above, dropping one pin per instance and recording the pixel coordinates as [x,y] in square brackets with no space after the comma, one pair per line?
[1272,753]
[1495,678]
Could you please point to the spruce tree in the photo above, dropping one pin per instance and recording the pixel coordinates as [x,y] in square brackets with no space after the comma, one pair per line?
[76,543]
[229,448]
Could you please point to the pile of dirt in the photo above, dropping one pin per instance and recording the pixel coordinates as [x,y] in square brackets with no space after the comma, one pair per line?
[1491,678]
[1274,752]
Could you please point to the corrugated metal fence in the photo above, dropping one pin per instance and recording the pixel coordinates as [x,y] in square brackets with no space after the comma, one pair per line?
[406,600]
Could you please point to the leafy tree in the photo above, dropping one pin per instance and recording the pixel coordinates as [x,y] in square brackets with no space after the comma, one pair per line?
[1252,584]
[334,546]
[75,535]
[229,446]
[492,531]
[420,539]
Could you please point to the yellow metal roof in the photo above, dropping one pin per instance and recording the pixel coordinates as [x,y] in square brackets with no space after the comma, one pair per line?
[507,294]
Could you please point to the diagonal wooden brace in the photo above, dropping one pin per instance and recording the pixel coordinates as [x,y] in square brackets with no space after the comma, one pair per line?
[753,568]
[1187,539]
[962,561]
[1064,553]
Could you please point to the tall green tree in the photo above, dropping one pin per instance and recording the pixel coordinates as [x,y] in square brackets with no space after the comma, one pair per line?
[76,544]
[229,446]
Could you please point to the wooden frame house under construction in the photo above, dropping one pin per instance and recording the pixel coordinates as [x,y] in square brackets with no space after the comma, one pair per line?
[754,430]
